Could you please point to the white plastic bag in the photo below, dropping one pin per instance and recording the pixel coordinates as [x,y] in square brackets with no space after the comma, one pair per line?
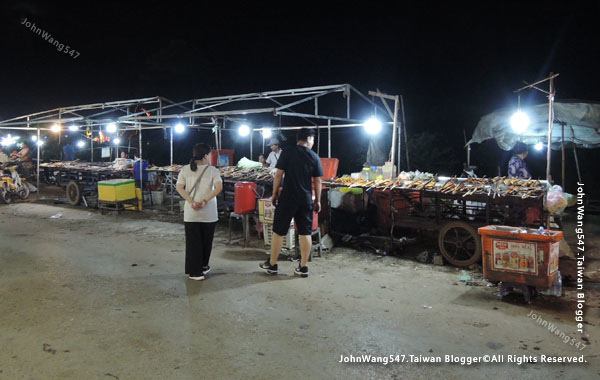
[555,200]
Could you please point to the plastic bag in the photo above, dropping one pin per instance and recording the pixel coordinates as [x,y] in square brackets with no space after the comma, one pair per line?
[248,164]
[555,200]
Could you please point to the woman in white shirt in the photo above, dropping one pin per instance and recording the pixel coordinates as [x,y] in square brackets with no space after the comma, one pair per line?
[199,184]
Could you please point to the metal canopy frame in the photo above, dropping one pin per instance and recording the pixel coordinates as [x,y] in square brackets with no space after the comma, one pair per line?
[219,113]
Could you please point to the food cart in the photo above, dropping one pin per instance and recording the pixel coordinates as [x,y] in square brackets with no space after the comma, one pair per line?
[454,207]
[520,258]
[80,179]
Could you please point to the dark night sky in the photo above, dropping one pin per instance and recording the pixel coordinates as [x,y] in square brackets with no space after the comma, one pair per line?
[452,64]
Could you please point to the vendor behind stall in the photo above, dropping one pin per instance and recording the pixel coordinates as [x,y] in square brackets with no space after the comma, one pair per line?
[517,168]
[68,152]
[275,154]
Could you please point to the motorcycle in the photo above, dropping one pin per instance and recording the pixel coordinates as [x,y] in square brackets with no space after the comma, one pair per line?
[11,185]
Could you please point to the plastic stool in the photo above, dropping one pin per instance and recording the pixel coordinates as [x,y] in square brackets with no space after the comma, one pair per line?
[319,245]
[245,225]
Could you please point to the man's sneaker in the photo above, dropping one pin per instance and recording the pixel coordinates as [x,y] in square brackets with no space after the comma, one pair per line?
[196,277]
[301,271]
[268,268]
[205,270]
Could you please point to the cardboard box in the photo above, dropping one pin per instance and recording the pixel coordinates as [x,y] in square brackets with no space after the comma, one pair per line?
[266,210]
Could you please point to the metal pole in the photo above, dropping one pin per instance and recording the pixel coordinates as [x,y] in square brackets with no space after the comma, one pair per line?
[575,154]
[405,135]
[348,102]
[318,141]
[468,150]
[59,133]
[329,138]
[171,172]
[550,122]
[577,164]
[38,161]
[92,146]
[395,132]
[563,156]
[251,136]
[141,162]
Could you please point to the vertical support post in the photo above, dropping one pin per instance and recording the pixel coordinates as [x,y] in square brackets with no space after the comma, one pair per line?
[576,160]
[577,164]
[221,136]
[60,133]
[563,156]
[550,122]
[318,141]
[316,106]
[193,119]
[159,113]
[92,145]
[141,161]
[38,159]
[329,138]
[251,138]
[405,135]
[348,102]
[171,172]
[468,150]
[395,132]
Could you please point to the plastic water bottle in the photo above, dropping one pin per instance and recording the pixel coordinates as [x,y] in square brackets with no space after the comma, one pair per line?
[556,289]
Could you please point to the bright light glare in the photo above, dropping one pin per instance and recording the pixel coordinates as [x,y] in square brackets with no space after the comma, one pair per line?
[539,146]
[117,141]
[73,128]
[519,122]
[55,128]
[244,130]
[40,143]
[373,126]
[34,138]
[179,128]
[80,144]
[9,140]
[267,132]
[111,127]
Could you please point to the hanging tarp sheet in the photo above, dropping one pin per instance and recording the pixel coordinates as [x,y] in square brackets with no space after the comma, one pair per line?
[581,125]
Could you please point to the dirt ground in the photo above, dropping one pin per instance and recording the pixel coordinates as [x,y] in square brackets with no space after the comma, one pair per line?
[87,296]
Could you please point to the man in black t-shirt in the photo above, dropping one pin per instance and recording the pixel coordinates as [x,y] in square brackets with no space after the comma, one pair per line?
[301,166]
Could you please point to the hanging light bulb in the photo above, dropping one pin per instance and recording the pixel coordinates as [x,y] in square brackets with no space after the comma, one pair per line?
[519,120]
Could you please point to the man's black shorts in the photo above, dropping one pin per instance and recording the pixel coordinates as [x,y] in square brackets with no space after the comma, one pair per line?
[302,215]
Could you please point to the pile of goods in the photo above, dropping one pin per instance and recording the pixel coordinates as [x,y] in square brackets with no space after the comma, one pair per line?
[246,174]
[170,168]
[80,165]
[498,186]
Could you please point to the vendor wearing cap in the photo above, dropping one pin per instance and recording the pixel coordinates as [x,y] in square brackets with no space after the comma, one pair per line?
[275,154]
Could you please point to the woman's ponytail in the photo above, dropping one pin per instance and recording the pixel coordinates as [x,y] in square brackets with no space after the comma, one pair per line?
[200,151]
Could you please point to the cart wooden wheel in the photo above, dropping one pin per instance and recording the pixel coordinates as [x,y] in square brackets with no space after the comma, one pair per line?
[73,193]
[459,244]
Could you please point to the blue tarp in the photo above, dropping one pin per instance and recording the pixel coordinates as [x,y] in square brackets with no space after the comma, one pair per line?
[581,125]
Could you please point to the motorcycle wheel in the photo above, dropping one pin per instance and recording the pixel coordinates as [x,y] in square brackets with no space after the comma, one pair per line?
[23,191]
[4,195]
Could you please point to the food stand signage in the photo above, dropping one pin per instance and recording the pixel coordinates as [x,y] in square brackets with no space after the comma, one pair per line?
[514,256]
[554,251]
